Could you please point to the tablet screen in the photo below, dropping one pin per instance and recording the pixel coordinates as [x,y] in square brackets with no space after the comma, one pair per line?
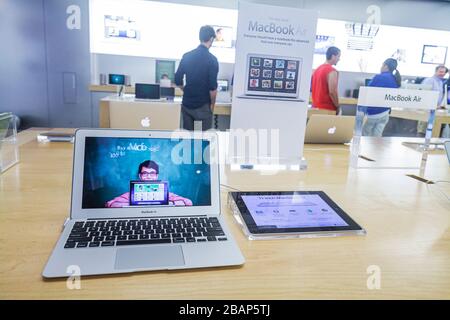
[292,211]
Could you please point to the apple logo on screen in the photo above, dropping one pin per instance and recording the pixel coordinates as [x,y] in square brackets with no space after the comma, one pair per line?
[332,130]
[145,122]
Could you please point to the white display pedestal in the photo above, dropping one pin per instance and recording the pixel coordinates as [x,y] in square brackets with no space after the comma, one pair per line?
[272,73]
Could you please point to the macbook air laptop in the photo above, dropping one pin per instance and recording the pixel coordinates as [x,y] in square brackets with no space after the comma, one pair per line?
[272,77]
[146,91]
[329,129]
[141,201]
[167,92]
[143,115]
[149,192]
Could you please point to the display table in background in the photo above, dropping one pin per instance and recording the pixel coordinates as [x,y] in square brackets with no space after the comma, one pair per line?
[159,107]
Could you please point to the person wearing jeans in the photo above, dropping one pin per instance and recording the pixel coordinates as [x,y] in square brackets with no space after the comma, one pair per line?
[375,124]
[200,68]
[437,83]
[377,118]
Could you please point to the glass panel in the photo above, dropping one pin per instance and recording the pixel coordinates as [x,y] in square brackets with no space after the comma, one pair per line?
[9,153]
[372,152]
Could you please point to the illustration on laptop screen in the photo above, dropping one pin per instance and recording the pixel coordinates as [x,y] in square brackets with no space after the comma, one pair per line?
[273,76]
[127,172]
[149,193]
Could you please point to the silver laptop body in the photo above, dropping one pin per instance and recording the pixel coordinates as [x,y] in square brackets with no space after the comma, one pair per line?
[329,129]
[100,159]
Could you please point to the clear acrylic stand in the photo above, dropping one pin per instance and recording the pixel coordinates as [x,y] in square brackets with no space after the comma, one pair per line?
[268,164]
[356,154]
[9,151]
[258,159]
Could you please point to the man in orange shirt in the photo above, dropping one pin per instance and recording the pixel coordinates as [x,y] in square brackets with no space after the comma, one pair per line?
[325,83]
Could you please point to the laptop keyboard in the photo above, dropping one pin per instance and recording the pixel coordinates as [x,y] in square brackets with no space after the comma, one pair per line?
[109,233]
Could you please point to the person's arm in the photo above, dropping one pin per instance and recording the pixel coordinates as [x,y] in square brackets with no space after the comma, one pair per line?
[333,89]
[429,81]
[119,202]
[212,75]
[179,75]
[179,200]
[213,95]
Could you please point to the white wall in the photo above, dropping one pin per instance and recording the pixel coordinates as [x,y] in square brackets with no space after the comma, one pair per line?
[407,13]
[140,69]
[428,14]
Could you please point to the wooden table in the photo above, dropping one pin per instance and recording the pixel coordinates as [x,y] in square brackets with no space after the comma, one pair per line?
[407,222]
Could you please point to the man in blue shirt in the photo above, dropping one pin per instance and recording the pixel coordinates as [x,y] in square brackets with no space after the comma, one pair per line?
[436,83]
[200,87]
[377,118]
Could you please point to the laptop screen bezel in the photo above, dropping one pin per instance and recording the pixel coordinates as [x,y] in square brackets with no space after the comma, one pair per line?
[77,212]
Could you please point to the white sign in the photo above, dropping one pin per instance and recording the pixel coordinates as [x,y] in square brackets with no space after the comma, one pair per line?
[398,98]
[274,54]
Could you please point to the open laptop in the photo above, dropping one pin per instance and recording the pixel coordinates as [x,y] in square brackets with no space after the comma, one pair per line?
[329,129]
[152,192]
[168,93]
[272,77]
[145,91]
[106,235]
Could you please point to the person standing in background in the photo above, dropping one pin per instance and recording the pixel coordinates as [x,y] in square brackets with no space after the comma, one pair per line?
[377,118]
[200,90]
[436,82]
[324,84]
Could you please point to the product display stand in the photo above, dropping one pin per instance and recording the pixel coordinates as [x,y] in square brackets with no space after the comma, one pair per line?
[401,98]
[9,151]
[263,165]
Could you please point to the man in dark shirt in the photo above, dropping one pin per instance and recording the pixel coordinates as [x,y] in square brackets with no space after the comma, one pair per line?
[199,92]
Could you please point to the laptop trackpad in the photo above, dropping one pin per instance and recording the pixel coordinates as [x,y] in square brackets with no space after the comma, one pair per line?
[149,257]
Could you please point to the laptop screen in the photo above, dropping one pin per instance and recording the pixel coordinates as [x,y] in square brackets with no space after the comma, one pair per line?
[222,85]
[116,79]
[149,192]
[147,91]
[270,75]
[167,92]
[128,172]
